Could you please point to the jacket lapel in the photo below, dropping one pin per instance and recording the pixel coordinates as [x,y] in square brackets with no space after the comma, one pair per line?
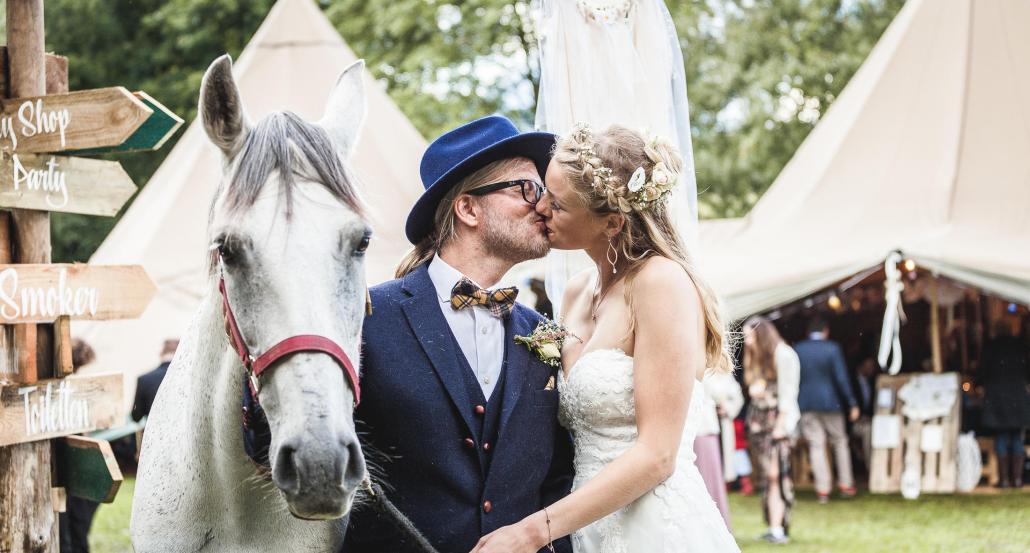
[428,324]
[516,359]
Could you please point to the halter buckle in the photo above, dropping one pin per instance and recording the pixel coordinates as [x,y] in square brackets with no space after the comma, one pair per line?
[255,384]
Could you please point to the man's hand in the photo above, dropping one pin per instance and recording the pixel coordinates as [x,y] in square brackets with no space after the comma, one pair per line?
[853,414]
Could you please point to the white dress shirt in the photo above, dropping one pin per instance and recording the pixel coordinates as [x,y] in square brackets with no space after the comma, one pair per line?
[479,333]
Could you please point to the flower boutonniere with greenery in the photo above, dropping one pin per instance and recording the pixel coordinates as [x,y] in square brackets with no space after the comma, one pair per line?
[546,341]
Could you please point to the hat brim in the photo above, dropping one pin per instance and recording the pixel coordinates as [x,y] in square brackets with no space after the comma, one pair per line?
[536,146]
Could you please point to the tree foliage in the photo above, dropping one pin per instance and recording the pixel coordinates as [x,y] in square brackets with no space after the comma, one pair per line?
[159,46]
[760,72]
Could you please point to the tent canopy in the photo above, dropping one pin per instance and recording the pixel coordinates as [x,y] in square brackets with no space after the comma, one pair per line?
[925,151]
[291,63]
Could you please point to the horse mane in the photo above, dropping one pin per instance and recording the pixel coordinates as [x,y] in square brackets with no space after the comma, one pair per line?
[283,142]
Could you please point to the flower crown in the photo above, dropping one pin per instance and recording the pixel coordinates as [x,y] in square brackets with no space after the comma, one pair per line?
[641,192]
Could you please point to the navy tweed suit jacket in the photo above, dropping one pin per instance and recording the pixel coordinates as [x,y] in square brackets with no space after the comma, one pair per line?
[415,413]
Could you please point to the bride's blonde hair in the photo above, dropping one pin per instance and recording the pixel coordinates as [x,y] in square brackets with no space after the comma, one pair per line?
[648,230]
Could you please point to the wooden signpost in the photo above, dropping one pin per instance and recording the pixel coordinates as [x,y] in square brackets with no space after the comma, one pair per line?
[73,121]
[86,468]
[42,126]
[151,135]
[42,293]
[65,184]
[59,407]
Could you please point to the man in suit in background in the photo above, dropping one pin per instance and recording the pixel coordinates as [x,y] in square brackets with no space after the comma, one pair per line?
[147,385]
[824,388]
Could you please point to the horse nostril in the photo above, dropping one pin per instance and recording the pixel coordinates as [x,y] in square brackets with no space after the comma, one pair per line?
[284,472]
[354,465]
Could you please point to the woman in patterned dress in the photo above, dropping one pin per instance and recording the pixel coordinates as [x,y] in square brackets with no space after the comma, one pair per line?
[772,373]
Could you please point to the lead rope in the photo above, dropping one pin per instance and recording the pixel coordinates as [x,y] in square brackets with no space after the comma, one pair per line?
[382,505]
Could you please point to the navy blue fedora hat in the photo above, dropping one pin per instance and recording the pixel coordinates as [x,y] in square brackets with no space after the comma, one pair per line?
[468,148]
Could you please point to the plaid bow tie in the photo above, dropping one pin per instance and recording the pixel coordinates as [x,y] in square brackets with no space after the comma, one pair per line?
[465,294]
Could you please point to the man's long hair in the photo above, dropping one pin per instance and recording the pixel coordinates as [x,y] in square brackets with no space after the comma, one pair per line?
[445,222]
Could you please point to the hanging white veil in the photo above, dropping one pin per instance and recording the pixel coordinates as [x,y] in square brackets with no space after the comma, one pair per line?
[614,61]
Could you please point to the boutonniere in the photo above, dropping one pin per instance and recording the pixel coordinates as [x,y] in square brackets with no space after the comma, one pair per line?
[546,341]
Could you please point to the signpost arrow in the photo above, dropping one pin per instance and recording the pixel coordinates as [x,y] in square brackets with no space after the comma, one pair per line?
[154,132]
[65,184]
[86,467]
[42,293]
[59,407]
[74,121]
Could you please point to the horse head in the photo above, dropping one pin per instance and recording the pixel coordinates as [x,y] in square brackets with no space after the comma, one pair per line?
[288,237]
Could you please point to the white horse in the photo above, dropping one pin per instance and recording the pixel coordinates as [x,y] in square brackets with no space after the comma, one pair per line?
[288,234]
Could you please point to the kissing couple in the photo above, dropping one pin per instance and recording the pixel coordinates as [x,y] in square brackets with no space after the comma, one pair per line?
[493,444]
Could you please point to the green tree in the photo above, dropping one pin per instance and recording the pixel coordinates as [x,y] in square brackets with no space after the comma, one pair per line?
[767,72]
[446,62]
[759,72]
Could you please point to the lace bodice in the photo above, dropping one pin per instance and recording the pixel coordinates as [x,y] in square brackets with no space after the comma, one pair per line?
[596,404]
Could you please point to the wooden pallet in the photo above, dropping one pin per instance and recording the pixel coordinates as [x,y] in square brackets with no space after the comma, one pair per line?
[937,468]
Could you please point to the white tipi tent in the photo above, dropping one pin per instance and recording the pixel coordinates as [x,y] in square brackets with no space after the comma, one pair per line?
[291,63]
[926,151]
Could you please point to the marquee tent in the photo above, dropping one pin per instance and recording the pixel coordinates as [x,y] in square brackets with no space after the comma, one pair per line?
[926,151]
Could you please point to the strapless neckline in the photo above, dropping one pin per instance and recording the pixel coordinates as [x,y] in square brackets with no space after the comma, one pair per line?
[582,356]
[626,356]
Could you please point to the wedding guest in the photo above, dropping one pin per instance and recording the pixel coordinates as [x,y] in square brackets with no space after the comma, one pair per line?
[1004,373]
[771,373]
[824,389]
[78,516]
[147,385]
[723,401]
[742,458]
[865,386]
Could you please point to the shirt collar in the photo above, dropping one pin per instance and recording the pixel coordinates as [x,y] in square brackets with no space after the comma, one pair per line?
[444,278]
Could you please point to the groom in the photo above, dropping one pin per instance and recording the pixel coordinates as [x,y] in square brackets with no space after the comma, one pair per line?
[465,418]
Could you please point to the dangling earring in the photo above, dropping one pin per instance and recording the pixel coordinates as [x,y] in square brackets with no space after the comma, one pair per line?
[610,253]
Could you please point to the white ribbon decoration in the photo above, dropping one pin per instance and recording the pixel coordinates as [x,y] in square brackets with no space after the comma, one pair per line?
[890,334]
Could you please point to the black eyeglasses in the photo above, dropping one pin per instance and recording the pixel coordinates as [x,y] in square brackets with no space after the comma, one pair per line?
[531,189]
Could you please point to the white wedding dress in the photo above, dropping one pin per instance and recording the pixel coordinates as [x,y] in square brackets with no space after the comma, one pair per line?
[596,405]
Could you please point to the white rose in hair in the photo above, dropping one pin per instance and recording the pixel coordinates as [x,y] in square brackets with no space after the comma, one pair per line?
[636,182]
[660,174]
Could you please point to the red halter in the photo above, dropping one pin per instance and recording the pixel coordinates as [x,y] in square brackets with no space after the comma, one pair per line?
[293,344]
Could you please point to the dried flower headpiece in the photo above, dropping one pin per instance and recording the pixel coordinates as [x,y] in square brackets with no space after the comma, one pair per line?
[642,192]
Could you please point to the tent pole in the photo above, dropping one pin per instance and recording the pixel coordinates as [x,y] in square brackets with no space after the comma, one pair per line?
[963,339]
[935,326]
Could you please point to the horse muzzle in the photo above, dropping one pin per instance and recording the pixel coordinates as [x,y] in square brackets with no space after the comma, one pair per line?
[318,479]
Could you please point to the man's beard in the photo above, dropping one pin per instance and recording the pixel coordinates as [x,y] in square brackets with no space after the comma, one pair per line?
[516,241]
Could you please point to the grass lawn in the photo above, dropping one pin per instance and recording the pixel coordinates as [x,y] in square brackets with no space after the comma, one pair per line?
[945,523]
[110,530]
[869,523]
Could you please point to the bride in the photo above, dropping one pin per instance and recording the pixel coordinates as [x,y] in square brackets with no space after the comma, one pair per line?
[630,390]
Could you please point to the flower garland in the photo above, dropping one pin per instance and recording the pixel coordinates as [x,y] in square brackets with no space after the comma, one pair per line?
[641,192]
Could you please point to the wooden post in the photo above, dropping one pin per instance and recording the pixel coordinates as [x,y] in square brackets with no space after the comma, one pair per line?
[935,326]
[28,522]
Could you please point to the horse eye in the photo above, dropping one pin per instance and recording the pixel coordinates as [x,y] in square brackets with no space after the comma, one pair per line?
[363,245]
[230,249]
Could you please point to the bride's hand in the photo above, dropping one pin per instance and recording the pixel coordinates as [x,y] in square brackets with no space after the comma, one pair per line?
[516,538]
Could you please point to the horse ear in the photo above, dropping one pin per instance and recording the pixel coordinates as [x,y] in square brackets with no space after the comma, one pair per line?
[221,108]
[345,111]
